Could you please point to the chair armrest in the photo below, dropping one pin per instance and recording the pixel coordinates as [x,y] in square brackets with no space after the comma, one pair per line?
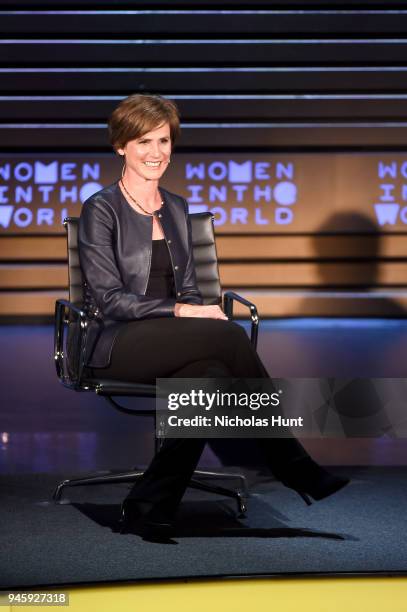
[70,306]
[75,315]
[228,298]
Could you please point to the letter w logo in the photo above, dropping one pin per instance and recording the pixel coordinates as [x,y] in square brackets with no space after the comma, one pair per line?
[386,213]
[5,215]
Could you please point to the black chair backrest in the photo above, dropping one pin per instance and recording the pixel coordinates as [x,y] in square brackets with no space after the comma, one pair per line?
[75,278]
[204,250]
[205,257]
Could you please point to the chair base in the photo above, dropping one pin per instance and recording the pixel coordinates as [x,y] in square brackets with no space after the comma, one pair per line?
[240,495]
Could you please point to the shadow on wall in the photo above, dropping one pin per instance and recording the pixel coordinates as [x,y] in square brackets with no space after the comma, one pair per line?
[348,249]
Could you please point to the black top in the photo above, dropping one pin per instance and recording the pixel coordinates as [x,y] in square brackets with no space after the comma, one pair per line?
[161,279]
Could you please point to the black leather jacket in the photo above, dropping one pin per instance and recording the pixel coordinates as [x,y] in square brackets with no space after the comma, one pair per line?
[115,257]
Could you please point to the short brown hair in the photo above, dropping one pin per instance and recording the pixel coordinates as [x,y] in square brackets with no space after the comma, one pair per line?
[139,114]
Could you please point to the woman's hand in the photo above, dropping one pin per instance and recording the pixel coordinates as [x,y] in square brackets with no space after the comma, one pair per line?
[195,310]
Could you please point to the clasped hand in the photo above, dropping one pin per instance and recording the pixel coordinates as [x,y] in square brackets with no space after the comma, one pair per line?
[196,310]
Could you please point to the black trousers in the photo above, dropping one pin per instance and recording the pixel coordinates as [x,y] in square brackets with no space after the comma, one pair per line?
[188,348]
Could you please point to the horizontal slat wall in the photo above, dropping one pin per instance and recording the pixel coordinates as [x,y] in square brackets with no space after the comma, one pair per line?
[29,303]
[186,4]
[281,274]
[271,303]
[221,108]
[235,52]
[287,75]
[320,276]
[390,135]
[253,79]
[207,22]
[52,249]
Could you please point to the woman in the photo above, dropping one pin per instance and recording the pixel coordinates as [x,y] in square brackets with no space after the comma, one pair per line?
[148,320]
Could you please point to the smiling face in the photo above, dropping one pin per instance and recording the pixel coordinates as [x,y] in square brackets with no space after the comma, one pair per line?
[148,156]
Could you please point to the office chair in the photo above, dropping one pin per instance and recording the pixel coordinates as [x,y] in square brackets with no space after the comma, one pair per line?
[70,365]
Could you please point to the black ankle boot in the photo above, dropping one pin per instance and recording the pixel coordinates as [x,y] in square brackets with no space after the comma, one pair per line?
[308,479]
[146,520]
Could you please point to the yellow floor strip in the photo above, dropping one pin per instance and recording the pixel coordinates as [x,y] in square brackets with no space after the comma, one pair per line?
[285,595]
